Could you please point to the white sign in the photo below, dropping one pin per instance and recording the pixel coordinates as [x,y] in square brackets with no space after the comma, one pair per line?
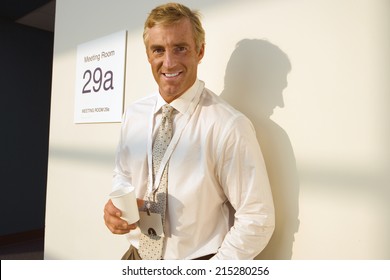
[100,79]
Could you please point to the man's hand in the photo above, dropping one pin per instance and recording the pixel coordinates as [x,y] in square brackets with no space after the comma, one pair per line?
[113,221]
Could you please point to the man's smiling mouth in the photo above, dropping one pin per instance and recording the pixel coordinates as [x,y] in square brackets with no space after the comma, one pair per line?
[171,75]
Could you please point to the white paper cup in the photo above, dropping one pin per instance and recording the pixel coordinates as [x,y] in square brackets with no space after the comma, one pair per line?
[124,199]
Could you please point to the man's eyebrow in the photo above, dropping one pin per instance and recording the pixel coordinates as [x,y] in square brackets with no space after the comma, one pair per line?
[152,47]
[184,44]
[156,46]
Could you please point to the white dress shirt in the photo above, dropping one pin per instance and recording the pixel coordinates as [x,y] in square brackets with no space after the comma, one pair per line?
[215,166]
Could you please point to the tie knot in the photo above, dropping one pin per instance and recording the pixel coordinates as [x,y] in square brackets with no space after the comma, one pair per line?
[167,111]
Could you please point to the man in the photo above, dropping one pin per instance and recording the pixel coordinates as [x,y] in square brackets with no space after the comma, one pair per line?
[213,163]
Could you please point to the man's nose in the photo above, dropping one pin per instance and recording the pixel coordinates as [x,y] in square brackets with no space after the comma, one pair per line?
[168,60]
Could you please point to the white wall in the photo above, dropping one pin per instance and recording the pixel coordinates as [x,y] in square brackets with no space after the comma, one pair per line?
[327,149]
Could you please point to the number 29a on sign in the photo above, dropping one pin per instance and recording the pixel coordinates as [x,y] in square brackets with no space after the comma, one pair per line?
[96,80]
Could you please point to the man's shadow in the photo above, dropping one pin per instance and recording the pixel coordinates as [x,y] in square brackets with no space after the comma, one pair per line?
[255,78]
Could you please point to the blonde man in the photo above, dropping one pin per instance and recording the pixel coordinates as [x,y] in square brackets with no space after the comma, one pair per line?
[219,203]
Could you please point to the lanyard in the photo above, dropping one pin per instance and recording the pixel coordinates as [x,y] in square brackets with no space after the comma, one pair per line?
[152,188]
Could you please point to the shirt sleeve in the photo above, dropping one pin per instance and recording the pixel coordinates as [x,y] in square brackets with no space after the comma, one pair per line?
[122,175]
[244,179]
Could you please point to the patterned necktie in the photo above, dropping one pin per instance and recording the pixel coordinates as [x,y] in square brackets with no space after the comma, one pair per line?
[151,245]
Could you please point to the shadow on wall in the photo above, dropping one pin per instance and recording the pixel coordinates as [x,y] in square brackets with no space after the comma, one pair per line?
[255,78]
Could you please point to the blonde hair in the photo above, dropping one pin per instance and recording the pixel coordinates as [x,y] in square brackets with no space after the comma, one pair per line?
[172,13]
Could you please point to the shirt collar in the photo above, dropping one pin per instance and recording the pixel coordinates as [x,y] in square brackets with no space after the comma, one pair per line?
[181,103]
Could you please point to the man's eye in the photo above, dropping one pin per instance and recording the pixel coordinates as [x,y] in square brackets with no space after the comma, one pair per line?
[158,51]
[181,49]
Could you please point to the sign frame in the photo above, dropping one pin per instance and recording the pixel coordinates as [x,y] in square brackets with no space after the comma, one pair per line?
[100,79]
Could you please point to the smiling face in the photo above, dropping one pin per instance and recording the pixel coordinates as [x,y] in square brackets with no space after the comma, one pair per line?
[173,58]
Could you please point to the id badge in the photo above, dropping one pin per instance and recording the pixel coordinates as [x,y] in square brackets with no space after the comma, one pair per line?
[151,224]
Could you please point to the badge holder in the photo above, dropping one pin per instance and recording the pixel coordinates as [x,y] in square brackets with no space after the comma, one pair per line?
[151,223]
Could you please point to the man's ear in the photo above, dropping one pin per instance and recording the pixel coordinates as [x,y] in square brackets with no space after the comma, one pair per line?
[201,52]
[147,54]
